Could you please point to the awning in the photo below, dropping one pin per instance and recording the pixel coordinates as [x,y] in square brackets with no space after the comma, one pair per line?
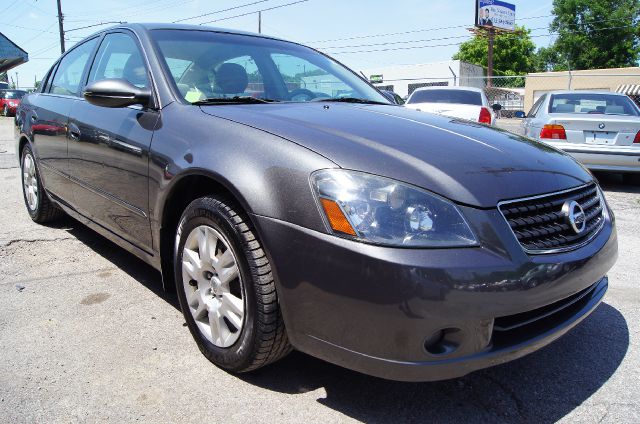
[10,54]
[629,89]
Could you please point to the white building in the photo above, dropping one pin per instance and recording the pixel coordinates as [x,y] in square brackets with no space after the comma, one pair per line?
[403,79]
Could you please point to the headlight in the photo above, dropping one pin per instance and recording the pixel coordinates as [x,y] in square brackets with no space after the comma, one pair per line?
[383,211]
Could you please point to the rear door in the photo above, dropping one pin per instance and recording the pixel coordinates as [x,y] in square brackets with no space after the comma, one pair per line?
[49,114]
[109,160]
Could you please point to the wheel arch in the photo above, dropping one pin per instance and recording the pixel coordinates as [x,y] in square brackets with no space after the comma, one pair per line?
[186,188]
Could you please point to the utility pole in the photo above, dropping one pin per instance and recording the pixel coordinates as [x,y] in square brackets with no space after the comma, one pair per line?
[259,22]
[61,27]
[491,35]
[17,82]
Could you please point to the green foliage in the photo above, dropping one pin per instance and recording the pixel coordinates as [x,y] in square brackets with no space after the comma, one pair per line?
[513,54]
[593,34]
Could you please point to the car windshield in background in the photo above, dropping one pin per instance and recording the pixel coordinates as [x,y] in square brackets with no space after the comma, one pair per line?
[14,94]
[217,68]
[446,96]
[580,103]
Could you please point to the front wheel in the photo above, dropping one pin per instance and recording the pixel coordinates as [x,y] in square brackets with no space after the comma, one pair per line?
[226,288]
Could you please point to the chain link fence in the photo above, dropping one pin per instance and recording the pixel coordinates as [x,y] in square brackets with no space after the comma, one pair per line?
[519,93]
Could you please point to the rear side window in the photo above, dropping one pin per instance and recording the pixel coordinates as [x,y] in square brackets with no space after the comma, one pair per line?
[536,107]
[447,96]
[592,103]
[119,57]
[68,77]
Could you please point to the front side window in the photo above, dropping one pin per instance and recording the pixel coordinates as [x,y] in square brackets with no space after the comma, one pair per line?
[207,66]
[69,74]
[592,103]
[119,57]
[465,97]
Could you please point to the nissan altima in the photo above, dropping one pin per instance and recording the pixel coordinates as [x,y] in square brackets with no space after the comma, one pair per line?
[291,206]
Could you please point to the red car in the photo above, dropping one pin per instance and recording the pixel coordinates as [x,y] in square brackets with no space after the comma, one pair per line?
[9,101]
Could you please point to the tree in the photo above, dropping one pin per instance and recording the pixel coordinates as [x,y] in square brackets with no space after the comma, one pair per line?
[593,34]
[513,54]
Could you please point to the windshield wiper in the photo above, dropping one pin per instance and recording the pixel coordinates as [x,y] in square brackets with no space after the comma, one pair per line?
[353,100]
[232,100]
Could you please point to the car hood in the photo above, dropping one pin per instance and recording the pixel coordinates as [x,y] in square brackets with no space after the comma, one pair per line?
[464,161]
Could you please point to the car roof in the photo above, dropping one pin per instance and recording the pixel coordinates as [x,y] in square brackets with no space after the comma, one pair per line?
[587,92]
[444,87]
[150,26]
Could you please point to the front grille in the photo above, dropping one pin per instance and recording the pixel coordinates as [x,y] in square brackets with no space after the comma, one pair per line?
[541,225]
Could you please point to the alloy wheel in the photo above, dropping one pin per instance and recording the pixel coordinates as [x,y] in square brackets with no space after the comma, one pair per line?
[30,181]
[213,286]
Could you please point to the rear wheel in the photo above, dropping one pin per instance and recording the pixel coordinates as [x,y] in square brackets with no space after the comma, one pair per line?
[226,289]
[41,209]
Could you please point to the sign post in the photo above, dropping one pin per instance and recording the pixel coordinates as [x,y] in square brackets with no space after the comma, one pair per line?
[493,17]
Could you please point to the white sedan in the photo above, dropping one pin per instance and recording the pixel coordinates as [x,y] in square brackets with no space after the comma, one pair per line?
[457,102]
[600,129]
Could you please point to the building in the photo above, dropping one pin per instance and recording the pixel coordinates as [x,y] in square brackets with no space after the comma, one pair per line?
[10,54]
[622,80]
[404,79]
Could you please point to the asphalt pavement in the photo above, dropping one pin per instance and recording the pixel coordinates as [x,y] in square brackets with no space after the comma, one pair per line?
[87,335]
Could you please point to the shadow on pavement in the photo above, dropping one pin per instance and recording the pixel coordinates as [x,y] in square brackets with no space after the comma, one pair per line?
[136,268]
[618,183]
[542,387]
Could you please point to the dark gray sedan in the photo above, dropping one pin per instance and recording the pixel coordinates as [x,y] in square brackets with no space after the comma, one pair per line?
[292,206]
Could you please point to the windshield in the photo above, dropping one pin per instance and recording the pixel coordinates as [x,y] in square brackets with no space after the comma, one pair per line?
[581,103]
[207,66]
[14,94]
[464,97]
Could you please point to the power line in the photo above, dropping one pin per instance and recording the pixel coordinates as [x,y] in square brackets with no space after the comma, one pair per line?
[254,12]
[94,25]
[219,11]
[551,33]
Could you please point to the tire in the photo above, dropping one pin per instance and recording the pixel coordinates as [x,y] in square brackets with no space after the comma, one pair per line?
[211,291]
[41,209]
[5,111]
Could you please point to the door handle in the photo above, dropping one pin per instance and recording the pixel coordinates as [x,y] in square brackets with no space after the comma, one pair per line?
[34,118]
[74,132]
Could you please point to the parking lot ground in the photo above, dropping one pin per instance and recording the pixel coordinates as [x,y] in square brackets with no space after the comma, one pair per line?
[87,335]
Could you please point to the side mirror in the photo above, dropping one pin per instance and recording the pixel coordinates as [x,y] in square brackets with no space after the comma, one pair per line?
[116,93]
[520,114]
[496,107]
[389,96]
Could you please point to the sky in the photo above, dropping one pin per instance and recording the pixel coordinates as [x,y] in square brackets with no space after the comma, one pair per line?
[361,34]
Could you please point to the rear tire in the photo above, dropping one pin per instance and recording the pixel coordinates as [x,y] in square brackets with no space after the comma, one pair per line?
[41,209]
[226,289]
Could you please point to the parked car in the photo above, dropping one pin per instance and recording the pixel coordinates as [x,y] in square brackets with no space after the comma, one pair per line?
[9,101]
[600,129]
[457,102]
[401,244]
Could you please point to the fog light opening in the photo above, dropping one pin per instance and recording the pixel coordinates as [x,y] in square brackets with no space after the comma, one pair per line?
[442,342]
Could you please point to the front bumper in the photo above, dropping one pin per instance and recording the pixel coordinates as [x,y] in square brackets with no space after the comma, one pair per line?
[603,158]
[372,308]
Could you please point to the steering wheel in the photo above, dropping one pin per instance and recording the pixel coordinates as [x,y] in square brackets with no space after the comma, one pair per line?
[301,95]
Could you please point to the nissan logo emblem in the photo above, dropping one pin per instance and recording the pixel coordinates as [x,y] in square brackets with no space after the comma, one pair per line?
[601,126]
[574,214]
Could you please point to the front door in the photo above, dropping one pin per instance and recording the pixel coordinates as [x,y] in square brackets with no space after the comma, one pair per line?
[109,158]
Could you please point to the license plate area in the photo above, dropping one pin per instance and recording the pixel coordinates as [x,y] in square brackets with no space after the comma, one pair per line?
[600,137]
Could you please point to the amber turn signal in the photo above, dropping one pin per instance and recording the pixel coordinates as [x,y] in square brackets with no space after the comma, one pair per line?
[336,217]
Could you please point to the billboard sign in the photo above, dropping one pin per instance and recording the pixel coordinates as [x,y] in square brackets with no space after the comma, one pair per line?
[376,79]
[495,14]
